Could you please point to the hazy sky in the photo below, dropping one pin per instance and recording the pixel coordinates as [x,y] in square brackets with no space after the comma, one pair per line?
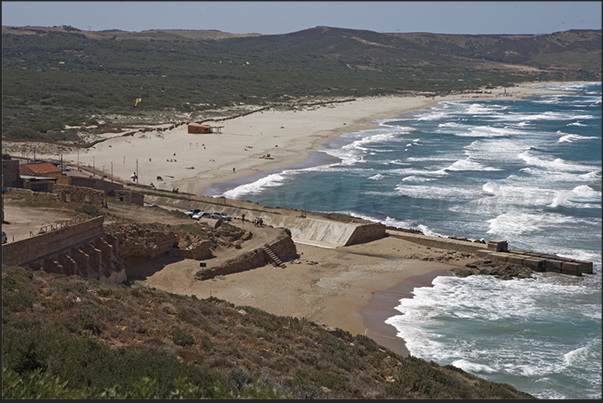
[280,17]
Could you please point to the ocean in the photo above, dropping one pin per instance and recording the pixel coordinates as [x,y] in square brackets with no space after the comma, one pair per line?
[526,171]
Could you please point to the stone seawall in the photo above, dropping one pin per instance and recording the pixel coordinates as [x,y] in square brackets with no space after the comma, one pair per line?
[496,251]
[438,242]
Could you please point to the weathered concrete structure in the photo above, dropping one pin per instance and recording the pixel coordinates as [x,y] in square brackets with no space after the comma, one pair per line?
[539,261]
[127,196]
[275,253]
[80,248]
[82,195]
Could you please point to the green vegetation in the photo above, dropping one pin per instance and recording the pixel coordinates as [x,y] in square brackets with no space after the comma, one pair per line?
[54,78]
[90,210]
[70,337]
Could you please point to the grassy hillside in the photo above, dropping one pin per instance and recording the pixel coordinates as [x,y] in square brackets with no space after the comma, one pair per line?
[58,77]
[70,337]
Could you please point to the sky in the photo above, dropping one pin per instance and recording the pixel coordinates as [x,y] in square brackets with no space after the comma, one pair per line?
[281,17]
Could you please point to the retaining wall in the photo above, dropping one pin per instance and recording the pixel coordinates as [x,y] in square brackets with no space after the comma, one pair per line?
[284,249]
[29,249]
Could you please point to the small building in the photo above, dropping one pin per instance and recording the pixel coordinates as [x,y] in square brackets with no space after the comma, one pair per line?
[197,128]
[38,183]
[40,169]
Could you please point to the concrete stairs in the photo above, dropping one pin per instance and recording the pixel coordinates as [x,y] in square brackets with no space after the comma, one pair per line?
[275,260]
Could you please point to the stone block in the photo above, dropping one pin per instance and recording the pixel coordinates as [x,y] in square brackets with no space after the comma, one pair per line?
[534,263]
[519,251]
[499,257]
[571,268]
[515,259]
[497,245]
[585,267]
[553,265]
[483,253]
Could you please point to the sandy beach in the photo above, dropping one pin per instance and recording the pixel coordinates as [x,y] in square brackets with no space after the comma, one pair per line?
[354,288]
[193,162]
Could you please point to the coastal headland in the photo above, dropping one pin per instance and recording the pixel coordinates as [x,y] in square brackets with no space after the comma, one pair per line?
[353,287]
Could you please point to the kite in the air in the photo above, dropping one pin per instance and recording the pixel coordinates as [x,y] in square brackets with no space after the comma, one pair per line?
[136,101]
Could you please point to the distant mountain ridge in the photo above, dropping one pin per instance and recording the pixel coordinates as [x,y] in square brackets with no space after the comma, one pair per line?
[572,50]
[59,76]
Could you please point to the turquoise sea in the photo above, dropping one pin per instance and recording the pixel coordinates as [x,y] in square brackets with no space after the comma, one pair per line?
[526,171]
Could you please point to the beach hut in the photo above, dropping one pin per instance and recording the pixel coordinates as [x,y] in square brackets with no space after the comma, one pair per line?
[197,128]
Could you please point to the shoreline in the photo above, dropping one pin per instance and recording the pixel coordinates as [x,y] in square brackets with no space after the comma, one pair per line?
[193,163]
[382,306]
[318,158]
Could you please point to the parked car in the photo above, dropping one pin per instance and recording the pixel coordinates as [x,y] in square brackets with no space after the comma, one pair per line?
[202,214]
[4,237]
[192,211]
[63,168]
[222,215]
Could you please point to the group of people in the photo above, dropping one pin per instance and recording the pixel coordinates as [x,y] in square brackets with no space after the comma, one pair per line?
[257,221]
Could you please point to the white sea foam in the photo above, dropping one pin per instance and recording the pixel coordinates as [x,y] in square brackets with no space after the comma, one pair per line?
[431,193]
[513,224]
[472,367]
[582,356]
[544,116]
[416,179]
[558,164]
[570,138]
[468,165]
[580,196]
[256,187]
[375,177]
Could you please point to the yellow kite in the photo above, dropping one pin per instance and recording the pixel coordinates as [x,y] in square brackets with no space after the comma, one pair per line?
[136,101]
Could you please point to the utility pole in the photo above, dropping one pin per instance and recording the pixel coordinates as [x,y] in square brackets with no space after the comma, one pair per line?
[137,180]
[111,171]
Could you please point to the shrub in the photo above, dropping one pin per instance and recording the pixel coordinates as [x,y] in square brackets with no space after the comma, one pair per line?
[90,210]
[182,338]
[203,272]
[88,322]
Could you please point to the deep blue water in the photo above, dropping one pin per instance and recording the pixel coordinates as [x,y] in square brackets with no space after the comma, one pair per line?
[525,171]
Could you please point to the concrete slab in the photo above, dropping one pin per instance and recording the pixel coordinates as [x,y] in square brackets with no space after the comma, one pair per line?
[534,263]
[571,268]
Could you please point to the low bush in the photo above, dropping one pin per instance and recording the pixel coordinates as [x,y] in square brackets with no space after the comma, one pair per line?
[90,210]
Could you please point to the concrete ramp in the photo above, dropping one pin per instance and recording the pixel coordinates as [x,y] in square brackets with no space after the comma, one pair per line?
[316,232]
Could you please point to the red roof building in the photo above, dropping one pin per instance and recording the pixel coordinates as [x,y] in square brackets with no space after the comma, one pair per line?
[40,169]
